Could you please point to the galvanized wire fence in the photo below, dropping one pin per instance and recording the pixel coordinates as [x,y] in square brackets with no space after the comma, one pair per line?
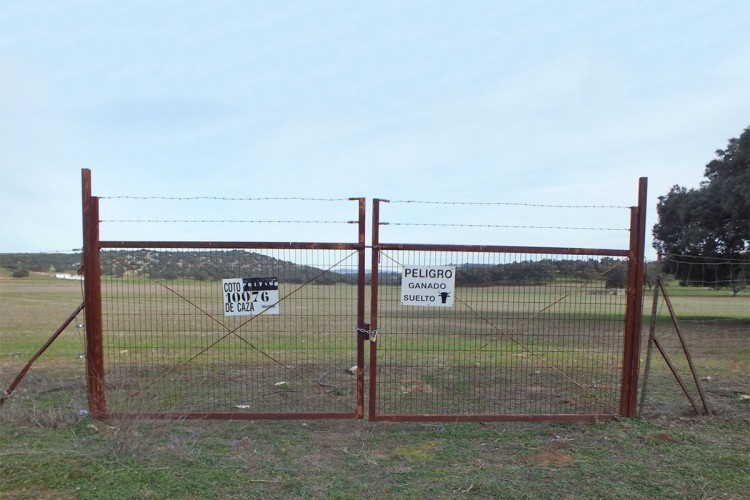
[171,342]
[528,342]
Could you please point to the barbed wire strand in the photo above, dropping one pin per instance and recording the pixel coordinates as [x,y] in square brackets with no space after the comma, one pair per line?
[300,198]
[55,252]
[505,203]
[509,226]
[699,259]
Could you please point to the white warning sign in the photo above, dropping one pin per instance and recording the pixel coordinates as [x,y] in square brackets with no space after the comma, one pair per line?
[428,286]
[250,296]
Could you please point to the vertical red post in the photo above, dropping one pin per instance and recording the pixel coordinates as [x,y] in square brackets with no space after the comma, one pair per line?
[634,308]
[361,336]
[374,304]
[93,300]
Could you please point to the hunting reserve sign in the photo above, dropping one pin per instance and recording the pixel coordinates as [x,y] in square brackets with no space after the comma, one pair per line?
[250,296]
[428,286]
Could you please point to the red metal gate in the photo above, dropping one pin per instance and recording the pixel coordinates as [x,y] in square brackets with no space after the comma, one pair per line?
[531,349]
[160,345]
[170,336]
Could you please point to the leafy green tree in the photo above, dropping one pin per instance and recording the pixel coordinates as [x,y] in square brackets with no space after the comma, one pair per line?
[617,277]
[712,221]
[652,274]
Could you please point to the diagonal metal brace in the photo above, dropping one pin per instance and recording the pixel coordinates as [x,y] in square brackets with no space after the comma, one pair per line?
[9,391]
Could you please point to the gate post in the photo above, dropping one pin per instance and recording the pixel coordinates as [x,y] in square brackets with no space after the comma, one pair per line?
[361,327]
[634,307]
[374,305]
[93,300]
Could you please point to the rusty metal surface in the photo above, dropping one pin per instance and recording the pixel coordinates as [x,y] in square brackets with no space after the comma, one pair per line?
[375,237]
[250,245]
[361,338]
[634,311]
[496,418]
[231,416]
[427,247]
[93,301]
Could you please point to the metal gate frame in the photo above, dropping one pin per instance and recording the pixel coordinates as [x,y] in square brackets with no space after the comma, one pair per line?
[633,315]
[365,332]
[95,370]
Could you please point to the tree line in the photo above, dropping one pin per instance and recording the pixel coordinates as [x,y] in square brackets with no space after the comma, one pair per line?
[213,265]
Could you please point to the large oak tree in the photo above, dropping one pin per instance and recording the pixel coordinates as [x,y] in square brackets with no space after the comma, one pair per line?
[710,224]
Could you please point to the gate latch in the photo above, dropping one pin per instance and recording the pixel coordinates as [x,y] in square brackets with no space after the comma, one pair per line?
[372,335]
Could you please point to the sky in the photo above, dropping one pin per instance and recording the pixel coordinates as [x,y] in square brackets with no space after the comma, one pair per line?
[536,103]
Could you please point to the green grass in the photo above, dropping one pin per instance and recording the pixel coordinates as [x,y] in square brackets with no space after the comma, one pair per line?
[344,459]
[49,450]
[675,290]
[31,309]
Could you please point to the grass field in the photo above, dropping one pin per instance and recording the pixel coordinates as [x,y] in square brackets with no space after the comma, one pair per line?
[49,448]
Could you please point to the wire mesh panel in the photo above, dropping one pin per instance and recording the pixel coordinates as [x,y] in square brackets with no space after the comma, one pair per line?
[527,335]
[179,338]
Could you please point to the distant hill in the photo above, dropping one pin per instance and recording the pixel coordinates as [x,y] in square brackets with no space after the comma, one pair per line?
[41,262]
[171,264]
[214,265]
